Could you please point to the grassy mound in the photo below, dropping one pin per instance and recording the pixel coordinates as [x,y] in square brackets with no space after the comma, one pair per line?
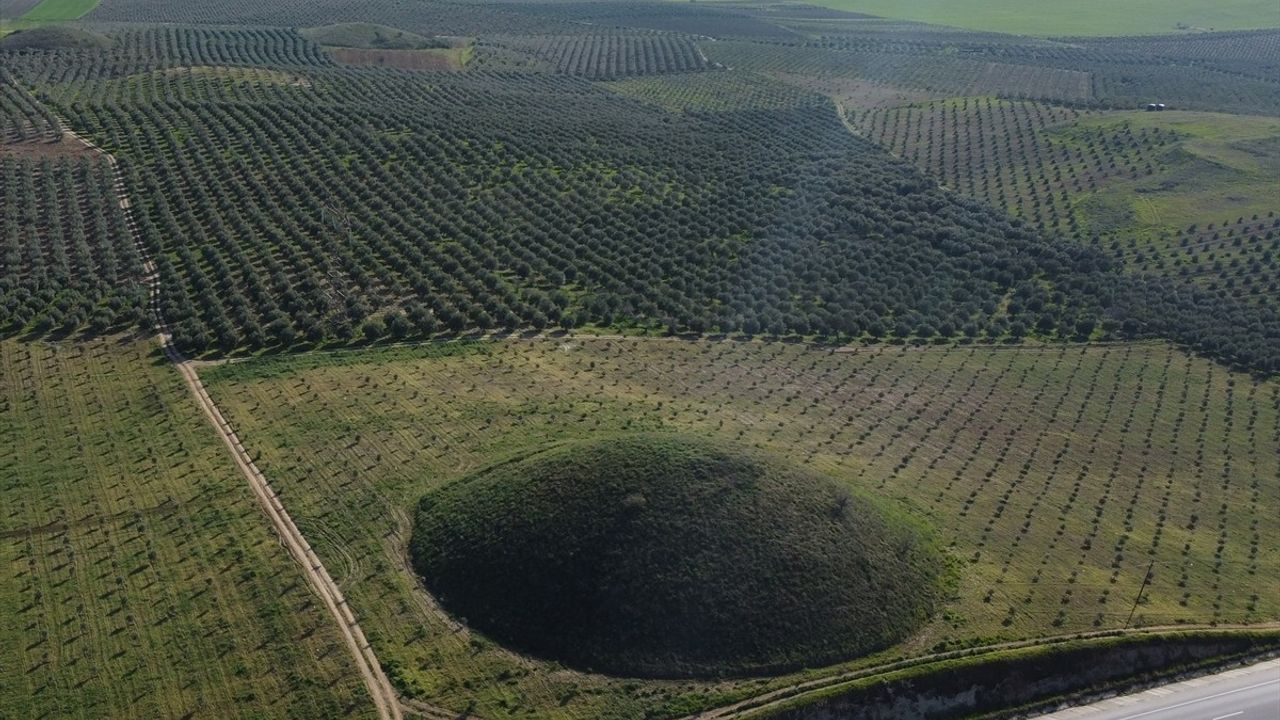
[53,37]
[369,35]
[657,555]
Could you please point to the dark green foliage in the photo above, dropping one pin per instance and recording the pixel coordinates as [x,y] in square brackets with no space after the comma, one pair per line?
[137,50]
[1010,683]
[21,118]
[289,201]
[1235,73]
[685,18]
[1186,86]
[149,48]
[1241,333]
[614,55]
[353,190]
[369,35]
[455,18]
[660,555]
[1219,72]
[423,18]
[67,259]
[723,90]
[53,37]
[1239,258]
[1229,72]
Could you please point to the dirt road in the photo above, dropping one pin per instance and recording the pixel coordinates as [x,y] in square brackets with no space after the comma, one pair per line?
[384,696]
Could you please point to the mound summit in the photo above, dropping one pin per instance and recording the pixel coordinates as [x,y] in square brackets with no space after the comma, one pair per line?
[664,556]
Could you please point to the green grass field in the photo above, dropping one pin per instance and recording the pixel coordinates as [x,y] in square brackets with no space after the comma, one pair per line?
[138,575]
[1055,476]
[56,10]
[1205,213]
[1089,17]
[1224,166]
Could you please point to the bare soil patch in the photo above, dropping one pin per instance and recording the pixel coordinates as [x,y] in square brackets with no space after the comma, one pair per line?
[45,147]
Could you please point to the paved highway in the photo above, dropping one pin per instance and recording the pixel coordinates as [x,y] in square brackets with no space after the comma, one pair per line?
[1246,693]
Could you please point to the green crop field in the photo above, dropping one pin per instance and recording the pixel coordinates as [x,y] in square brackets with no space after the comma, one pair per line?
[1055,476]
[1091,17]
[1225,166]
[139,578]
[55,10]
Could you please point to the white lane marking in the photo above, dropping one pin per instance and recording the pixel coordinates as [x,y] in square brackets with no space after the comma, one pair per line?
[1200,700]
[1224,717]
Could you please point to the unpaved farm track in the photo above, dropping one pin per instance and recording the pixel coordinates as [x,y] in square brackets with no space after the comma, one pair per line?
[774,698]
[384,696]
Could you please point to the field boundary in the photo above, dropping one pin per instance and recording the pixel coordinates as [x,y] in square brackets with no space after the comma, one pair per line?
[750,707]
[931,680]
[841,347]
[385,698]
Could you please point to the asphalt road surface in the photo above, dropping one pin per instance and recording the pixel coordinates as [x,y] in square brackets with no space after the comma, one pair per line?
[1246,693]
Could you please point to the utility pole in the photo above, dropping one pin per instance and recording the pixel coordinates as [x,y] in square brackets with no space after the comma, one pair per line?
[1145,580]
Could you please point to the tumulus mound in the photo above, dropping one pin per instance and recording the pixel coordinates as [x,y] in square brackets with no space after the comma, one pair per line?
[666,556]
